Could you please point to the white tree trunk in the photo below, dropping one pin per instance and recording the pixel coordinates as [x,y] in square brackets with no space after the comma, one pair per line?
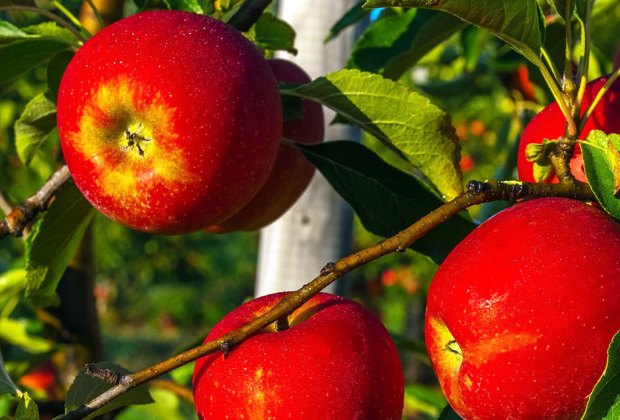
[317,229]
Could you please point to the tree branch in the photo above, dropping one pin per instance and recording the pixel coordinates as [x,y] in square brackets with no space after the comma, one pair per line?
[21,216]
[248,14]
[477,192]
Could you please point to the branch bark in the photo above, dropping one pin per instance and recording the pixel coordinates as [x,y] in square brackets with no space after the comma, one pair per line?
[476,193]
[23,215]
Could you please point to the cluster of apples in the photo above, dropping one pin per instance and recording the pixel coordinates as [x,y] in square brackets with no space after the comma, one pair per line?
[171,122]
[521,313]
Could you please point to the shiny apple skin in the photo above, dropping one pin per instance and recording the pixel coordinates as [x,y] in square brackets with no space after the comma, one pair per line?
[336,361]
[532,298]
[203,100]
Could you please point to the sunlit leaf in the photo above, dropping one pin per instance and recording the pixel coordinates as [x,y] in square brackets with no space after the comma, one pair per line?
[33,126]
[602,168]
[271,33]
[53,32]
[604,402]
[26,408]
[10,32]
[392,45]
[519,23]
[15,331]
[397,116]
[386,199]
[424,399]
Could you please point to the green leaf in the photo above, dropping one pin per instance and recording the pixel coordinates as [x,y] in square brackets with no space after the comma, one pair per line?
[33,126]
[6,383]
[86,387]
[397,116]
[605,33]
[271,33]
[12,282]
[292,108]
[54,241]
[394,44]
[26,409]
[424,399]
[604,401]
[186,5]
[355,14]
[15,331]
[385,199]
[52,32]
[602,168]
[167,405]
[448,413]
[55,69]
[10,33]
[578,6]
[18,58]
[520,23]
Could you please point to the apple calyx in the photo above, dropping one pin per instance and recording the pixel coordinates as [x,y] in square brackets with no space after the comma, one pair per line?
[453,347]
[135,139]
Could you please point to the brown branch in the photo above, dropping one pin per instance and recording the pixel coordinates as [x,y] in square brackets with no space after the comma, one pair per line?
[477,193]
[21,216]
[248,14]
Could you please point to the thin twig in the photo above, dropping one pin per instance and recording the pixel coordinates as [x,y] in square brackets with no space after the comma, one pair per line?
[477,193]
[248,14]
[21,216]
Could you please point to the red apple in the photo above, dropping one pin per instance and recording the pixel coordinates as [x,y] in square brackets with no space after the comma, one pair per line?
[336,361]
[550,124]
[169,121]
[292,172]
[521,313]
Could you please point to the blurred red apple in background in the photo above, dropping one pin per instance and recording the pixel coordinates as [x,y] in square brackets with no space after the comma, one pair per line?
[292,172]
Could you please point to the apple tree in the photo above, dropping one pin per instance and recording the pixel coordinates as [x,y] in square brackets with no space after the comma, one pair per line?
[469,109]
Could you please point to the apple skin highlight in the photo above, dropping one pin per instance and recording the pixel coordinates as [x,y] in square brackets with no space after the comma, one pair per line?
[521,313]
[169,121]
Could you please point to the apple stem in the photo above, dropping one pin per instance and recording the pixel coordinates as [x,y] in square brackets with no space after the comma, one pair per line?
[560,159]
